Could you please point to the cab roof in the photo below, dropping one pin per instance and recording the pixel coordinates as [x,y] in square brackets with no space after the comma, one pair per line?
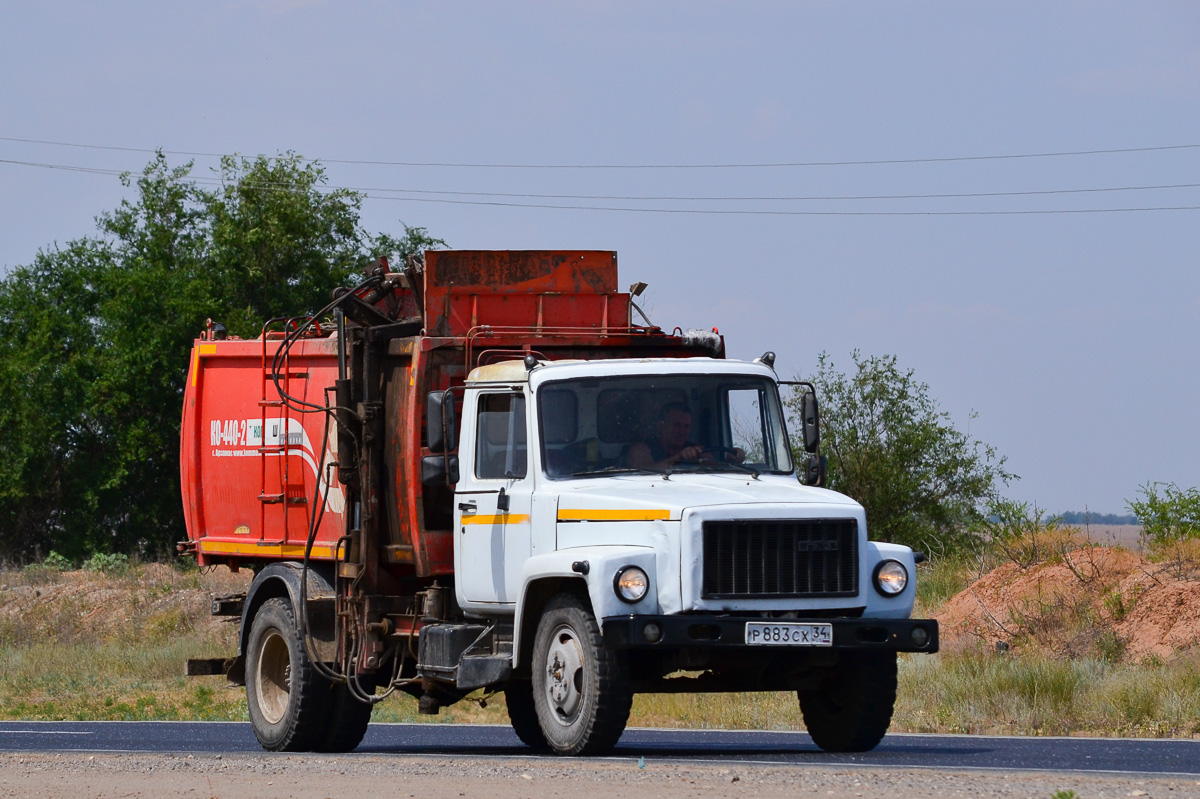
[514,371]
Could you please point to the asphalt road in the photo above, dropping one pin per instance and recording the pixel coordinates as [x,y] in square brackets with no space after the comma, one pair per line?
[1096,755]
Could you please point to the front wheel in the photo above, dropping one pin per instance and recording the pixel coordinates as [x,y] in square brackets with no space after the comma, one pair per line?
[580,687]
[287,700]
[851,709]
[523,715]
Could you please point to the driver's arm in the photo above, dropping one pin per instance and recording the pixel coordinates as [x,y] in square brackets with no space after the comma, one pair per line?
[639,456]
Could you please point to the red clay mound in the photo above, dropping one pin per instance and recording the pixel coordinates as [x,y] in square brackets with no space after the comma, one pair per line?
[1093,594]
[1164,617]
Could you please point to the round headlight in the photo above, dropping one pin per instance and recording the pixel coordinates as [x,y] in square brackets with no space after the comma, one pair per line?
[890,577]
[631,584]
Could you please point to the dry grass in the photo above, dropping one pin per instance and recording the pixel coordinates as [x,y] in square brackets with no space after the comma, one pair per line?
[1039,695]
[77,645]
[111,682]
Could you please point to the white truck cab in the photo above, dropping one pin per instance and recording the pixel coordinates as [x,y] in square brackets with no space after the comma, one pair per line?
[642,519]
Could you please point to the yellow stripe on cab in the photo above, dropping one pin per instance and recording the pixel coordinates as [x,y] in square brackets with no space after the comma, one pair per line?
[502,518]
[607,515]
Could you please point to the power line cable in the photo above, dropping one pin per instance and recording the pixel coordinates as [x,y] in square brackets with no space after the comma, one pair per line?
[764,165]
[67,167]
[647,197]
[767,212]
[267,186]
[778,198]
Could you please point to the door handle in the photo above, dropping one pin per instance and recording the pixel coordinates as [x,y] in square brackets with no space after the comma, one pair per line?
[467,507]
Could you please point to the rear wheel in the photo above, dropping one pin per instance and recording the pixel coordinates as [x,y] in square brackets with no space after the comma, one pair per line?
[580,687]
[287,700]
[348,717]
[851,709]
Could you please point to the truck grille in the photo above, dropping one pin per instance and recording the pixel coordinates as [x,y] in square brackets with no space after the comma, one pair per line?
[780,558]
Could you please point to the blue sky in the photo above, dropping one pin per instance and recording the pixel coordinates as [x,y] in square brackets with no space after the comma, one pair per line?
[1073,336]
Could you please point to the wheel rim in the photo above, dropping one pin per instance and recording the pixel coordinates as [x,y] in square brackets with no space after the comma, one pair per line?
[564,676]
[273,680]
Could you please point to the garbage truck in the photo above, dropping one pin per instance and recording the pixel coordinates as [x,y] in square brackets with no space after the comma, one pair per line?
[488,472]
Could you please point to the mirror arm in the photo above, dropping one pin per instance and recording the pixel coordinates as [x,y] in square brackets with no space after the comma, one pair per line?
[447,398]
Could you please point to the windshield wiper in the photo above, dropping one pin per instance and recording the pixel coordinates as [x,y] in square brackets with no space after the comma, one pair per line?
[618,470]
[717,466]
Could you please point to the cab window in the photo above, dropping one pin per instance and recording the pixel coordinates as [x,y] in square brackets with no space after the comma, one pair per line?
[500,451]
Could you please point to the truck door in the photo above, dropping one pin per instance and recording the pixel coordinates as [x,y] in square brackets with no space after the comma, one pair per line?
[492,500]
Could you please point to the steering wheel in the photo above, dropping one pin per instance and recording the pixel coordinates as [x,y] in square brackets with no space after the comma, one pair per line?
[720,452]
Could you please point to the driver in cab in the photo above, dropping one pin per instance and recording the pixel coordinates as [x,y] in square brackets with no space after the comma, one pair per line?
[671,445]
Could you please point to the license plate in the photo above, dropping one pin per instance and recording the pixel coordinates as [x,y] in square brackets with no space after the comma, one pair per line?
[788,634]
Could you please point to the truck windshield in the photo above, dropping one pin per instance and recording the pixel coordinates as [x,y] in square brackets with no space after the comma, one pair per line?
[678,423]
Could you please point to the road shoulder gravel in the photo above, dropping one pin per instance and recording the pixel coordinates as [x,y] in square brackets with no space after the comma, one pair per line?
[71,775]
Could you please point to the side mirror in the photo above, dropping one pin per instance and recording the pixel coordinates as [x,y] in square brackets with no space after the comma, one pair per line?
[810,421]
[814,471]
[439,470]
[441,422]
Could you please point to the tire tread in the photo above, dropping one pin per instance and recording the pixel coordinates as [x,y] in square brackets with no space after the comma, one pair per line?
[304,721]
[866,684]
[518,697]
[348,720]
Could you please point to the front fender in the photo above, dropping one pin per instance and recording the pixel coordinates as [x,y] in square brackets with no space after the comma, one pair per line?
[603,563]
[899,606]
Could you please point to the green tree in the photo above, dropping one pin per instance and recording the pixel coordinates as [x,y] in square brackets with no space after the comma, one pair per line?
[49,338]
[1167,512]
[414,243]
[95,335]
[279,244]
[151,300]
[921,481]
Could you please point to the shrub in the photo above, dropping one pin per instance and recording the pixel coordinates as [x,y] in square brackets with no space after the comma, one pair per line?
[1170,519]
[53,562]
[1168,513]
[1018,532]
[107,562]
[45,571]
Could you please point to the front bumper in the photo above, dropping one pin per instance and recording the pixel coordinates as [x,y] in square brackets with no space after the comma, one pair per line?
[728,632]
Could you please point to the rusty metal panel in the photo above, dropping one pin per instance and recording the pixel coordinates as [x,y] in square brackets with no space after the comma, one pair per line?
[505,310]
[593,311]
[521,271]
[398,455]
[466,289]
